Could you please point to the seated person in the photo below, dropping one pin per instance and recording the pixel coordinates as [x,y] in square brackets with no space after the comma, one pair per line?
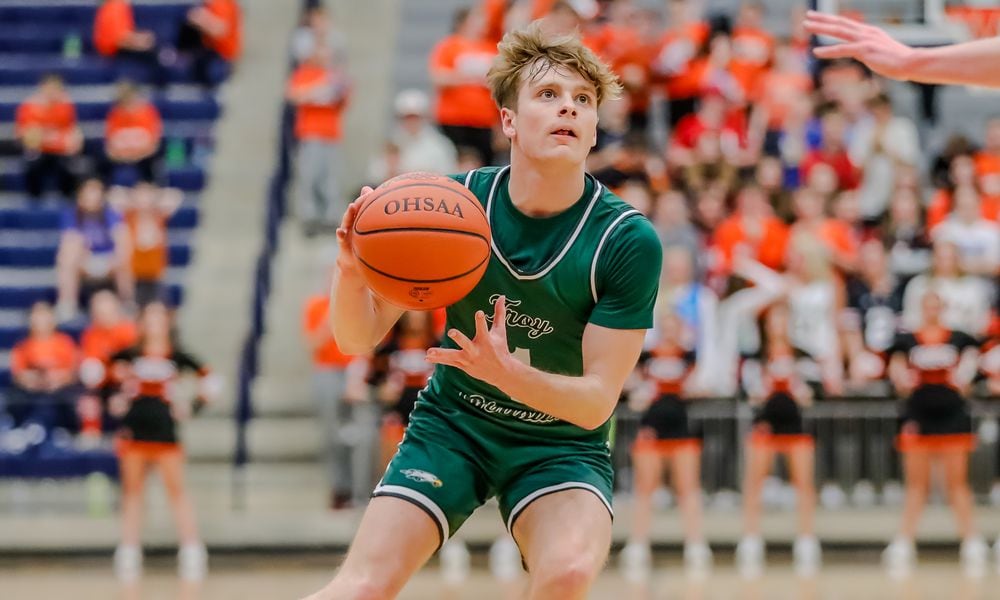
[212,34]
[133,132]
[47,129]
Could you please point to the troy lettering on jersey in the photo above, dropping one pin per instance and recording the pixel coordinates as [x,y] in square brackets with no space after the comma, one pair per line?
[422,204]
[536,327]
[933,357]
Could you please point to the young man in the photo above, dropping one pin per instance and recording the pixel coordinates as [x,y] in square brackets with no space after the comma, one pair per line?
[535,356]
[969,63]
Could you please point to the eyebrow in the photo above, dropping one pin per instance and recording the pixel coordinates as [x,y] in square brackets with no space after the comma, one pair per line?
[576,88]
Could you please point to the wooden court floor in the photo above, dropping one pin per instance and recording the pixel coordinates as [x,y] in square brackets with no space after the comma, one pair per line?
[290,577]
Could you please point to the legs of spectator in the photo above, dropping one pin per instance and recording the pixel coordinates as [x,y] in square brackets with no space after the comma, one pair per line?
[685,467]
[151,61]
[916,473]
[150,170]
[309,171]
[956,476]
[647,472]
[69,262]
[759,459]
[329,192]
[36,168]
[171,467]
[361,442]
[801,463]
[328,391]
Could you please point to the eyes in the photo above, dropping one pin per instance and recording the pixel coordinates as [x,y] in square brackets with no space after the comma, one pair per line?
[549,94]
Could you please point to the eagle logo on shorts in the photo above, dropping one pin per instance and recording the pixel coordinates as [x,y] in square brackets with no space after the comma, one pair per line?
[422,476]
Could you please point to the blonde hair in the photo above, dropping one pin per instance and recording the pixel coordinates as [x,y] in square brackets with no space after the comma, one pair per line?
[529,53]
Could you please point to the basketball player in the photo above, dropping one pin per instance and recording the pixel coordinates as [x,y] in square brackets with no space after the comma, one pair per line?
[535,356]
[969,63]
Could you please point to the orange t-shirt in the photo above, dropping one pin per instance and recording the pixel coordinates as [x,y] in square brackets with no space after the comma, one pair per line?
[149,244]
[464,105]
[769,249]
[229,44]
[316,316]
[778,92]
[56,352]
[57,120]
[112,24]
[142,116]
[687,83]
[940,208]
[102,342]
[316,120]
[752,50]
[494,12]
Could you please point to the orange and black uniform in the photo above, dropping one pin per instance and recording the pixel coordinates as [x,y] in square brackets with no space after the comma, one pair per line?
[406,356]
[149,424]
[778,422]
[664,425]
[935,416]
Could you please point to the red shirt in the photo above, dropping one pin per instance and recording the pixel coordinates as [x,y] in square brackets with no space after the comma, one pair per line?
[848,175]
[112,24]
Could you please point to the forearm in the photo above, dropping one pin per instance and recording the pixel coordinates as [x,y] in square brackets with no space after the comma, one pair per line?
[359,319]
[971,63]
[584,401]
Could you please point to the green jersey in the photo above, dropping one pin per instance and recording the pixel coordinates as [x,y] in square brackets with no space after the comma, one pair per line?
[596,262]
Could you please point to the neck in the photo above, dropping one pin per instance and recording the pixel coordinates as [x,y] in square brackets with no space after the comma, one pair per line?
[539,191]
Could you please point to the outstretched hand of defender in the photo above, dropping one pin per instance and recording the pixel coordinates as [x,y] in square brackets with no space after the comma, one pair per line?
[866,43]
[486,356]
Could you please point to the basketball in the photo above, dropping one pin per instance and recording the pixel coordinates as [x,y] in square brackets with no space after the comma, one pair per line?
[422,241]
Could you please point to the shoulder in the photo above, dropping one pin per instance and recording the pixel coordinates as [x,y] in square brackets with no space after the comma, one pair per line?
[480,181]
[623,223]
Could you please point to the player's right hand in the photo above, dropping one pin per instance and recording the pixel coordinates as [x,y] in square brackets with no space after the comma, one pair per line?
[346,261]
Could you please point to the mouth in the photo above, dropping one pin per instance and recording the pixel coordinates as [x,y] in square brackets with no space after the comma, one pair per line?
[564,132]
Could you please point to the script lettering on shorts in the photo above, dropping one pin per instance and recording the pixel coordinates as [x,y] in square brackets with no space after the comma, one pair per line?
[425,204]
[536,326]
[494,408]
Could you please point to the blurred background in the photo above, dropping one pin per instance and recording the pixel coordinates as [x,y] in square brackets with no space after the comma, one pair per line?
[198,155]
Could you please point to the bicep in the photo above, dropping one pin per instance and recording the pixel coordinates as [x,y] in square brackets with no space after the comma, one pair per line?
[611,354]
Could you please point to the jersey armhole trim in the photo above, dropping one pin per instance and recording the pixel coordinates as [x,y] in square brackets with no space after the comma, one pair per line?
[421,501]
[468,178]
[545,491]
[600,246]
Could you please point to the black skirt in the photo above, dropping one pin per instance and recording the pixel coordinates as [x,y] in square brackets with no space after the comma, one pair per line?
[149,420]
[668,417]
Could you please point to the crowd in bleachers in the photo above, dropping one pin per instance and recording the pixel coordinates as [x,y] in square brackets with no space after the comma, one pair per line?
[107,154]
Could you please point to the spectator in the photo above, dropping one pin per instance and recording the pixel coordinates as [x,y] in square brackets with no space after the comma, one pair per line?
[338,406]
[94,250]
[988,159]
[753,225]
[905,235]
[318,28]
[786,85]
[115,35]
[213,35]
[977,240]
[753,49]
[110,331]
[880,144]
[836,237]
[50,137]
[961,174]
[466,112]
[146,210]
[133,132]
[833,151]
[709,143]
[43,367]
[320,92]
[672,67]
[673,222]
[966,300]
[422,147]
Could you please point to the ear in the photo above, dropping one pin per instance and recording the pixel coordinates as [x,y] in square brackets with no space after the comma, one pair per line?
[593,142]
[508,122]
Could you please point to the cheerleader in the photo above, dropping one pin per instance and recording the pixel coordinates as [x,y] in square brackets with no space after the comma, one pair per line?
[148,439]
[934,367]
[778,393]
[665,440]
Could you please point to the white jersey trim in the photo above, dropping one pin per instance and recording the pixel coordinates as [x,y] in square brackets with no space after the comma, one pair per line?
[600,245]
[598,190]
[569,485]
[420,499]
[468,178]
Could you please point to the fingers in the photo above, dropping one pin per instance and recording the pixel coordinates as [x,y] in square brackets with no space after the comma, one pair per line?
[848,33]
[839,51]
[461,339]
[500,316]
[446,356]
[347,221]
[482,327]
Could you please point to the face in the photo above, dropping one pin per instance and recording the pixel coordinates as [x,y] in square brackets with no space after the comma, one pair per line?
[555,117]
[105,308]
[963,170]
[638,195]
[671,209]
[823,179]
[847,208]
[872,259]
[944,260]
[808,204]
[833,126]
[156,320]
[51,89]
[931,307]
[769,173]
[90,197]
[42,321]
[903,208]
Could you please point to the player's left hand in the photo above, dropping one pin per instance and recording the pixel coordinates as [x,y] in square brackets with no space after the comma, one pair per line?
[486,356]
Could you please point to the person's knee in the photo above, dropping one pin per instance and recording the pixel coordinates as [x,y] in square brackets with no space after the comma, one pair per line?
[571,576]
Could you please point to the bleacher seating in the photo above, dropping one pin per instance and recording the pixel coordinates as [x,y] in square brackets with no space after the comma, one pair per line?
[34,35]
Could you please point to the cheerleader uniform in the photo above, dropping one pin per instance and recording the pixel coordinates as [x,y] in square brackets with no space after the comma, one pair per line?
[777,423]
[935,416]
[664,427]
[407,357]
[149,427]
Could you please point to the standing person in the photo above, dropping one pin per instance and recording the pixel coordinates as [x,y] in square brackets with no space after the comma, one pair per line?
[778,394]
[319,90]
[968,63]
[148,438]
[458,66]
[933,368]
[213,34]
[496,419]
[46,126]
[666,439]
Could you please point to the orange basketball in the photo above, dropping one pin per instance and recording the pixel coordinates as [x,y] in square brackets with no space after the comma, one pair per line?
[422,240]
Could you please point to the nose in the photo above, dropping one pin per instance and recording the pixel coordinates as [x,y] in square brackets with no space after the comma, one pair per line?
[568,107]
